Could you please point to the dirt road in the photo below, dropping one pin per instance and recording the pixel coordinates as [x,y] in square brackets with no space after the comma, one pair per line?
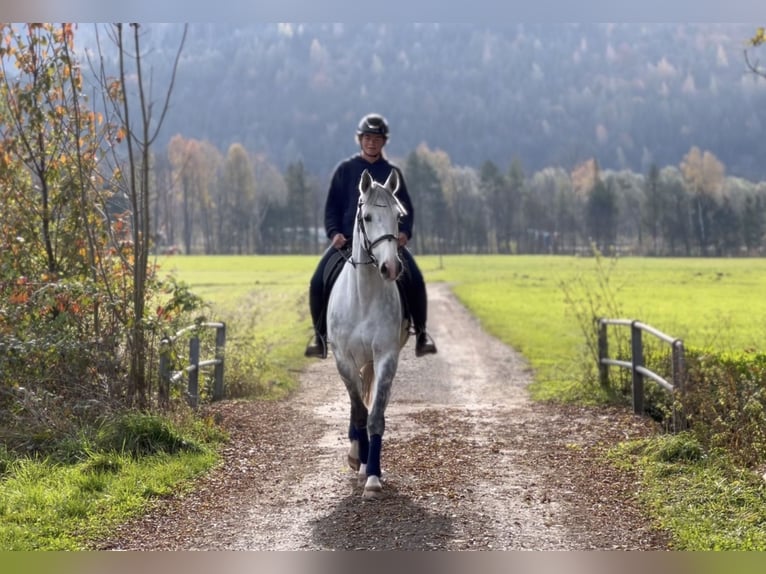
[469,463]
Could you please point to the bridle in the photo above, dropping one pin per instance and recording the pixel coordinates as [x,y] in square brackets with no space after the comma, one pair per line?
[367,244]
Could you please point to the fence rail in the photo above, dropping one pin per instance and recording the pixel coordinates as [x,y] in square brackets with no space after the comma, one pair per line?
[168,377]
[636,363]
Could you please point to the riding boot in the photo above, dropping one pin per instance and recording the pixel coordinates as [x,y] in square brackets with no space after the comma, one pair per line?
[317,346]
[424,345]
[414,288]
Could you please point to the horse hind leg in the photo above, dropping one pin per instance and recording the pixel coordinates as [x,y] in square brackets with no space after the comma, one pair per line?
[356,464]
[358,450]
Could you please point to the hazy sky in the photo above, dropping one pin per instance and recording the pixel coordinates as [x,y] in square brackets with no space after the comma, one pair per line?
[386,10]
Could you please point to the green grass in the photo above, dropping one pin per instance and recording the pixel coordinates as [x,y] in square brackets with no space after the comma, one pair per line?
[705,502]
[533,303]
[521,300]
[48,506]
[264,302]
[133,459]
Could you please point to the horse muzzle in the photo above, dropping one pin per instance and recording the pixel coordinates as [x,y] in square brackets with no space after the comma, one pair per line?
[391,270]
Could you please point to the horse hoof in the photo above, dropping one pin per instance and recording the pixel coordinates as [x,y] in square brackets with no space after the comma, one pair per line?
[353,463]
[373,488]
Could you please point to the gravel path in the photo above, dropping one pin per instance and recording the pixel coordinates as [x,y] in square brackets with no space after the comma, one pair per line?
[469,463]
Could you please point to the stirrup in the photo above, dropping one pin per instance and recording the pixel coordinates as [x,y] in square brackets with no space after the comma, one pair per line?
[424,345]
[316,347]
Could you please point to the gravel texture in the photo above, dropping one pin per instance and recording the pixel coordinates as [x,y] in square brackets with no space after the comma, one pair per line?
[469,463]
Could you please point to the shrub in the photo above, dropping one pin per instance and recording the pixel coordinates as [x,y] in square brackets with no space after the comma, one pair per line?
[139,434]
[725,402]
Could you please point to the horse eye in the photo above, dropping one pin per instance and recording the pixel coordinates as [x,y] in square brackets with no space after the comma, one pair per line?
[368,217]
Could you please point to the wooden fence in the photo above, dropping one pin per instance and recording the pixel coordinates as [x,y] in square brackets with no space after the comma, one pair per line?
[637,367]
[168,377]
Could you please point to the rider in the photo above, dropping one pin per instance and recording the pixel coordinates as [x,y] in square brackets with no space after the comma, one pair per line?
[340,211]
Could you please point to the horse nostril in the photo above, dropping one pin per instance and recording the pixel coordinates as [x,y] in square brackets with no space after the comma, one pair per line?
[384,269]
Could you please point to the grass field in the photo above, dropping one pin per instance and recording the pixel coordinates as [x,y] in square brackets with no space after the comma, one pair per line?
[534,303]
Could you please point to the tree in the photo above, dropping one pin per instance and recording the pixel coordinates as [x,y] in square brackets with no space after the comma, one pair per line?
[508,207]
[757,40]
[468,215]
[726,229]
[601,210]
[549,207]
[653,206]
[703,176]
[56,278]
[48,128]
[427,201]
[753,223]
[302,216]
[491,184]
[675,221]
[128,94]
[237,202]
[272,202]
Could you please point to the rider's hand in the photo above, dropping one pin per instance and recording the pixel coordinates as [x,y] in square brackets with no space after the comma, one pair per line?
[338,240]
[403,239]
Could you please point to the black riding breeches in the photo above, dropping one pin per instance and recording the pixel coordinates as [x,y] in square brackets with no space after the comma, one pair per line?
[414,288]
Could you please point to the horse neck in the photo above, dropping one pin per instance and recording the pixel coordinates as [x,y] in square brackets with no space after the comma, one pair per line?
[358,254]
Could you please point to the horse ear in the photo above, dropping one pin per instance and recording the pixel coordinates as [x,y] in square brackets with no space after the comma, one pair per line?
[392,182]
[365,182]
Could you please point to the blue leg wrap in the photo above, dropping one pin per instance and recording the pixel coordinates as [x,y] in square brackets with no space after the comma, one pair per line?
[373,460]
[364,442]
[364,446]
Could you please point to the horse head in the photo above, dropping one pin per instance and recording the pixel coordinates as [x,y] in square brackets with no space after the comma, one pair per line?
[377,223]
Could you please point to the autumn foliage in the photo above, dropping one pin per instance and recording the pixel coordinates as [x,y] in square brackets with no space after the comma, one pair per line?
[66,245]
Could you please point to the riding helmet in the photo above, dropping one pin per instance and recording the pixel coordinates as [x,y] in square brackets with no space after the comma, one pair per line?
[373,124]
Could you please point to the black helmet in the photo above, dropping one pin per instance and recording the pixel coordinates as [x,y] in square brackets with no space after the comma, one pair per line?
[373,124]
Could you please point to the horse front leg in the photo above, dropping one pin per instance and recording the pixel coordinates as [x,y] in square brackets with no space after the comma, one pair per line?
[357,426]
[376,422]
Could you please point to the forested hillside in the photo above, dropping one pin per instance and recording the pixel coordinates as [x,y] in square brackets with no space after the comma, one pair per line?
[550,95]
[639,138]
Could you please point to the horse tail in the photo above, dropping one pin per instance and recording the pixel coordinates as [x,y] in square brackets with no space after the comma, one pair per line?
[367,373]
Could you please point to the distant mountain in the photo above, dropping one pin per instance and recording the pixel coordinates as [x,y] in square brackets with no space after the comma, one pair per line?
[550,95]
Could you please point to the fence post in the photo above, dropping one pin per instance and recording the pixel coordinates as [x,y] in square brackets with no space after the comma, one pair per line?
[679,384]
[603,352]
[637,352]
[163,392]
[220,344]
[194,371]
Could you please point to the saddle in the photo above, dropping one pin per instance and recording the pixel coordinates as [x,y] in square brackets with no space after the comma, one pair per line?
[335,265]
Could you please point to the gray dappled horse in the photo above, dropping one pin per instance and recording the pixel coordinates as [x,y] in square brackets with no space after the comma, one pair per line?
[365,326]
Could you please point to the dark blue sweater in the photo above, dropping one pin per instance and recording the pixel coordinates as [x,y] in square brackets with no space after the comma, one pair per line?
[343,196]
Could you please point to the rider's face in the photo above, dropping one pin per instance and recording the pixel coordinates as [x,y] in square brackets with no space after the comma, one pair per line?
[372,144]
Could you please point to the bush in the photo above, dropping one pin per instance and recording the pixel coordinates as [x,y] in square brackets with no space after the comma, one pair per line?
[725,402]
[140,434]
